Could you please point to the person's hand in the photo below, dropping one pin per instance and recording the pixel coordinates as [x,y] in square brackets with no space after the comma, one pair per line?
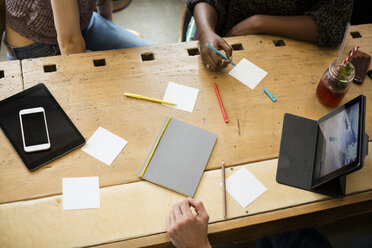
[211,60]
[246,27]
[185,229]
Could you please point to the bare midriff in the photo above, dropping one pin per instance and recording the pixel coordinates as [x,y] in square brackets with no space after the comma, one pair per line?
[14,39]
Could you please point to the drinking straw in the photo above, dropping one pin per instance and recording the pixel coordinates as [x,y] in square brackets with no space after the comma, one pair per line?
[342,47]
[350,54]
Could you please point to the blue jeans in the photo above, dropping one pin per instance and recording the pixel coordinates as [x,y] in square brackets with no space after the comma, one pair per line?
[101,34]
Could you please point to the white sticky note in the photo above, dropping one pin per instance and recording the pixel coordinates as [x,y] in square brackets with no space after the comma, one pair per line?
[104,145]
[244,187]
[248,73]
[80,193]
[183,96]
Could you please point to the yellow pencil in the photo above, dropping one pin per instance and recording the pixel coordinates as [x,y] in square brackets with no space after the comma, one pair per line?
[148,98]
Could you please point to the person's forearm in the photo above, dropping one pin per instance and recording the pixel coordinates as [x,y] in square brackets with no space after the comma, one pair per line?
[71,44]
[205,17]
[206,20]
[295,27]
[67,23]
[104,8]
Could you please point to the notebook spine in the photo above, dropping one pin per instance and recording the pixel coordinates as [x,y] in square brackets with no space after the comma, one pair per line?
[153,150]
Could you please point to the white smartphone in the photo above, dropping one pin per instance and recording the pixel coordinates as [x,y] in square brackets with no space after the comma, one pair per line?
[34,129]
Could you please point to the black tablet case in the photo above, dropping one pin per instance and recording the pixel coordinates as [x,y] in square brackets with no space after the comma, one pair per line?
[64,136]
[297,156]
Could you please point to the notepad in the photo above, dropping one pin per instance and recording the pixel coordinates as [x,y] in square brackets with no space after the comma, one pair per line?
[248,73]
[104,145]
[184,96]
[179,156]
[244,187]
[80,193]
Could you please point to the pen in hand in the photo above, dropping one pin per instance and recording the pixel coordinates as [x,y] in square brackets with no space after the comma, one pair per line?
[218,53]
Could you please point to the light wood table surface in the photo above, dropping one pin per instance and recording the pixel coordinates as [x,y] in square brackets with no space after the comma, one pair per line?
[11,82]
[132,212]
[133,215]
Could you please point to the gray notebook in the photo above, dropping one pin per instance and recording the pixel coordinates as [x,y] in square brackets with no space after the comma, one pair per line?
[179,156]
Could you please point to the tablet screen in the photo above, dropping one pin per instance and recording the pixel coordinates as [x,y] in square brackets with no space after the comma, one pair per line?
[338,143]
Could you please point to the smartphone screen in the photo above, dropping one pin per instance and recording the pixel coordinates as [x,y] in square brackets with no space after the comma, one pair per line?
[34,129]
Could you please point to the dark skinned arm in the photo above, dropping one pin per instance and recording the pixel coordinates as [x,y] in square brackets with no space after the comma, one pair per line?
[295,27]
[206,19]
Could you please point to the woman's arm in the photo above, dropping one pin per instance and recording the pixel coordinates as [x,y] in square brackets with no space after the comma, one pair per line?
[295,27]
[206,19]
[67,23]
[104,8]
[323,23]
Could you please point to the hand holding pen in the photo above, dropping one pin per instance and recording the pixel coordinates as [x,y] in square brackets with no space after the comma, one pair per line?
[211,59]
[219,53]
[219,60]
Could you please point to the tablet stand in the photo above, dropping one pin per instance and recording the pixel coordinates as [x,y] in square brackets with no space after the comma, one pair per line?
[297,157]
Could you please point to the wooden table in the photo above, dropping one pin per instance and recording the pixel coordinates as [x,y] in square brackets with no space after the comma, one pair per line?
[90,87]
[11,80]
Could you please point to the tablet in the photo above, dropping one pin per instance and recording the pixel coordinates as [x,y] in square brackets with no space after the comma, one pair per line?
[63,134]
[339,142]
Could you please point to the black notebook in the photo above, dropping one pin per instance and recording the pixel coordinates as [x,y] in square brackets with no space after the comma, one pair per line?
[64,136]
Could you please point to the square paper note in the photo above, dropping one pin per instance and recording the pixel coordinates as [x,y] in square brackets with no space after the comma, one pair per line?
[80,193]
[248,73]
[104,145]
[183,96]
[244,187]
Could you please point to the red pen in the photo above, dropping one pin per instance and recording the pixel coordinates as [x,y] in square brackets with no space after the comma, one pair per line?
[226,119]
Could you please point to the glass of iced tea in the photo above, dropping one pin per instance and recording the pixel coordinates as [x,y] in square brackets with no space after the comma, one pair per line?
[335,82]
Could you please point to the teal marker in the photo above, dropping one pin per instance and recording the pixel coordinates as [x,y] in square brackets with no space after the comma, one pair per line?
[270,95]
[218,52]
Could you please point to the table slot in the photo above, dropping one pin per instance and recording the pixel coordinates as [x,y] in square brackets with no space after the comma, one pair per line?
[50,68]
[99,62]
[279,43]
[2,74]
[355,35]
[237,47]
[193,51]
[147,56]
